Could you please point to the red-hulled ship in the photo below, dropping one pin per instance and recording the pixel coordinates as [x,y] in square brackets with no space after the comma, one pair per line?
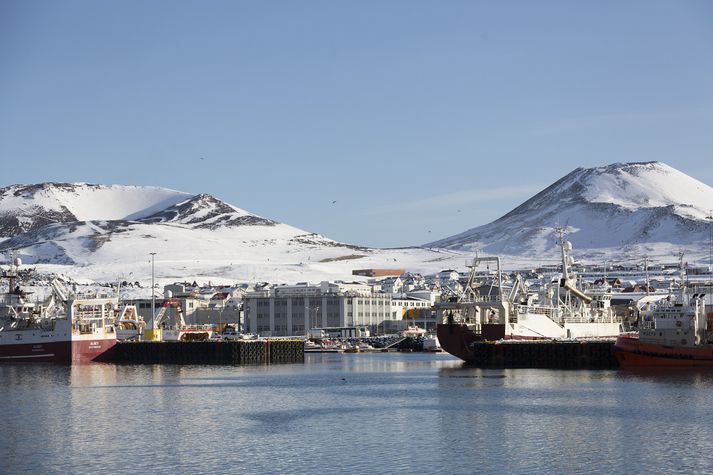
[62,329]
[672,334]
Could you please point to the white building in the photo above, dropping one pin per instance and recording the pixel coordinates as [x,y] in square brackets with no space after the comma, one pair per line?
[295,309]
[392,285]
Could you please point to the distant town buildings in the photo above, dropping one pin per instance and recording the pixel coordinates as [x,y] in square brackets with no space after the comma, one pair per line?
[390,301]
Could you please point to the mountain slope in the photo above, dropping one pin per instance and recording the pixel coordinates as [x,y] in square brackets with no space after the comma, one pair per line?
[205,211]
[27,207]
[636,207]
[100,232]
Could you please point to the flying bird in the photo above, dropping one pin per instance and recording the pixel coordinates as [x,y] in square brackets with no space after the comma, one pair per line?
[333,202]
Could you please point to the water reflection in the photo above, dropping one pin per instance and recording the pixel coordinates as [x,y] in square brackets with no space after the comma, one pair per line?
[364,412]
[701,377]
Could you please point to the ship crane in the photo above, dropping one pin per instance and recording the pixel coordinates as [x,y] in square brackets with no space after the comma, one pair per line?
[56,302]
[162,314]
[59,290]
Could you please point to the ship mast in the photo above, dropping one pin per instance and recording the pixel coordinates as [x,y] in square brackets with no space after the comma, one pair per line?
[473,264]
[567,281]
[683,275]
[12,272]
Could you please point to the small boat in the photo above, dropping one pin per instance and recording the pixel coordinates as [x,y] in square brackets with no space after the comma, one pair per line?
[413,332]
[431,344]
[312,347]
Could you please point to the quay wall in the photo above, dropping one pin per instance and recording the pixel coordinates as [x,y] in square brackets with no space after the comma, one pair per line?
[238,352]
[545,354]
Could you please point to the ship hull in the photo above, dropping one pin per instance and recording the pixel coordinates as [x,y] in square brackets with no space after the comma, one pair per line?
[457,338]
[61,351]
[630,351]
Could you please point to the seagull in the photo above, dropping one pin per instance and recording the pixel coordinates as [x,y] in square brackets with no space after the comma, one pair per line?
[333,202]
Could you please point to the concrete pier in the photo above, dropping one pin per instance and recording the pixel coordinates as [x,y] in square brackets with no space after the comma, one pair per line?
[238,352]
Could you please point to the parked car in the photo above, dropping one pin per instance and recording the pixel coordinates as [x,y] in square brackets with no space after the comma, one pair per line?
[230,334]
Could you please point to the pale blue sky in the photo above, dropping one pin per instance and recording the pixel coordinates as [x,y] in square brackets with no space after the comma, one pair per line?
[403,111]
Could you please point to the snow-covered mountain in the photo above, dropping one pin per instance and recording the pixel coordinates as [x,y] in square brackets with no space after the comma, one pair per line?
[102,232]
[105,232]
[28,207]
[618,211]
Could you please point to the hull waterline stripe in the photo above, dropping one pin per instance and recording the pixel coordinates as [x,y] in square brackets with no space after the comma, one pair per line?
[28,356]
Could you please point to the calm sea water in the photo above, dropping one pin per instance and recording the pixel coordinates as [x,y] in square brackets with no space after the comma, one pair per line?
[357,413]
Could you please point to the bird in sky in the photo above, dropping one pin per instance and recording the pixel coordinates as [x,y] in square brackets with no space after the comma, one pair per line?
[333,202]
[202,158]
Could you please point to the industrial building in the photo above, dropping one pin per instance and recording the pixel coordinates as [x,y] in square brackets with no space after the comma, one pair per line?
[292,310]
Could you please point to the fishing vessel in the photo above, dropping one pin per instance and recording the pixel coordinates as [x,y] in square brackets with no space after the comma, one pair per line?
[675,331]
[64,328]
[491,313]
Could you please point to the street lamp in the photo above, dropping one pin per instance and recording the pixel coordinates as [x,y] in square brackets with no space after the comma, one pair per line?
[311,322]
[710,253]
[153,293]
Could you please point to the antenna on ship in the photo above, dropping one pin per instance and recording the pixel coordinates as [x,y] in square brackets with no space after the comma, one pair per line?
[12,272]
[710,254]
[469,291]
[683,274]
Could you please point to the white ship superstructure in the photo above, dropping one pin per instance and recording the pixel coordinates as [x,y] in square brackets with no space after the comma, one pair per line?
[559,310]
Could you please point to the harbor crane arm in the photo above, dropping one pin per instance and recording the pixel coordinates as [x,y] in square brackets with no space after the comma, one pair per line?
[162,314]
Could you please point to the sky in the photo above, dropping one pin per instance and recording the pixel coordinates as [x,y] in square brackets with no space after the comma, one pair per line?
[380,123]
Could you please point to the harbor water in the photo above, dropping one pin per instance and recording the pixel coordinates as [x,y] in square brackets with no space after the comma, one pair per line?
[356,413]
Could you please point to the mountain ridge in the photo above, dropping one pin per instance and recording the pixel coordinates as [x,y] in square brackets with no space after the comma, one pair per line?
[87,231]
[74,226]
[622,204]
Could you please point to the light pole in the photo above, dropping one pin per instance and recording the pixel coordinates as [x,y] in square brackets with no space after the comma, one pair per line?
[153,294]
[710,253]
[311,322]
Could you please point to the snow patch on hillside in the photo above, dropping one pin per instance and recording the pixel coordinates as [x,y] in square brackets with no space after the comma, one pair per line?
[652,184]
[90,202]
